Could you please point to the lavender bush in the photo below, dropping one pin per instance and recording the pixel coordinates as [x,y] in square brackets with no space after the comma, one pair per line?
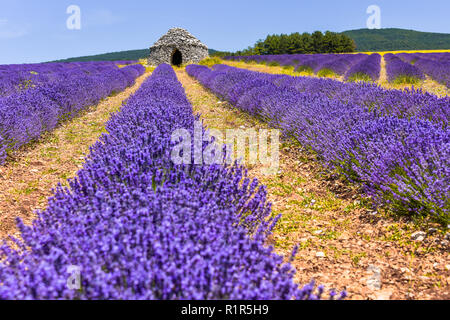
[399,71]
[367,69]
[394,143]
[403,162]
[36,101]
[140,227]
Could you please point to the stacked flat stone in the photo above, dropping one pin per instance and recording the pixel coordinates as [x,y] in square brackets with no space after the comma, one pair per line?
[177,39]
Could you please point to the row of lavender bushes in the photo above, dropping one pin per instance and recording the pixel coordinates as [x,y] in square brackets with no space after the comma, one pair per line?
[34,102]
[395,144]
[436,65]
[141,227]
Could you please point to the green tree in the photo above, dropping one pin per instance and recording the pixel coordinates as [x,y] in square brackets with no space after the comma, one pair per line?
[305,43]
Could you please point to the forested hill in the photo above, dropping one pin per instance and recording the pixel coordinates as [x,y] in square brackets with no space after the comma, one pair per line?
[117,56]
[398,39]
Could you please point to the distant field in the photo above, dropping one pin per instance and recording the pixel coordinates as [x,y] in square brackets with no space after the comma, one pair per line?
[407,51]
[425,69]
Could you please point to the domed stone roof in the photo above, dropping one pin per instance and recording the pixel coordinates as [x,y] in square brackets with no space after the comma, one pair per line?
[176,37]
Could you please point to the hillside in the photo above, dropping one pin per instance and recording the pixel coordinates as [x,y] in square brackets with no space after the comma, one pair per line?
[117,56]
[398,39]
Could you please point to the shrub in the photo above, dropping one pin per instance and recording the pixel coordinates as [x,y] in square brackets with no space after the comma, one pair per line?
[210,61]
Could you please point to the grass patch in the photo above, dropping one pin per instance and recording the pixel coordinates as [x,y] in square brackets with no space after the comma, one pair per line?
[305,69]
[326,73]
[209,62]
[404,79]
[289,68]
[359,76]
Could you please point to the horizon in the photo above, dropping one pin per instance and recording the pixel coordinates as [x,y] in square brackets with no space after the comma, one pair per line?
[38,32]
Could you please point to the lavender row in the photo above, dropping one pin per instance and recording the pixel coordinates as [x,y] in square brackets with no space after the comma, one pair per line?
[394,144]
[369,67]
[400,71]
[140,227]
[57,93]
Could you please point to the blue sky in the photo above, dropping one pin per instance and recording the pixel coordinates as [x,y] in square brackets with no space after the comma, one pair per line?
[36,31]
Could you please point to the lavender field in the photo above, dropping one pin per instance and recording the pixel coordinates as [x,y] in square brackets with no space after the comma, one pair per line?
[119,180]
[155,230]
[402,68]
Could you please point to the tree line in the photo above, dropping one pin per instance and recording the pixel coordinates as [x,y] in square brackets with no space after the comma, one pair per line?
[297,43]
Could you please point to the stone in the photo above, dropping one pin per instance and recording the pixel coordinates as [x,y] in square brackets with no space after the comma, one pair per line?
[432,230]
[418,236]
[320,255]
[177,47]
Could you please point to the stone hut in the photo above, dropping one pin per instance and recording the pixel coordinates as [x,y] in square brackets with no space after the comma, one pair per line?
[177,47]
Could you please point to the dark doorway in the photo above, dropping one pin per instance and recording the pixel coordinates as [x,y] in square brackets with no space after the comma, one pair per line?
[177,58]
